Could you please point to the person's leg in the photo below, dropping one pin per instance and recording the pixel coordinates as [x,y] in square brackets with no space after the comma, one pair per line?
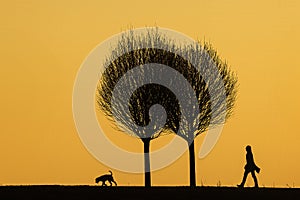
[254,178]
[244,179]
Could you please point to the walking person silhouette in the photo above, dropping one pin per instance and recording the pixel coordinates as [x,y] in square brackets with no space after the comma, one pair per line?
[250,167]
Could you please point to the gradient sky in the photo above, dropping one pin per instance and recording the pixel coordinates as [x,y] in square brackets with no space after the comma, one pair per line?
[43,44]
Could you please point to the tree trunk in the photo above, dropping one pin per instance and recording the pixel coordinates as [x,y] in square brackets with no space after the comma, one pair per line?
[147,172]
[192,165]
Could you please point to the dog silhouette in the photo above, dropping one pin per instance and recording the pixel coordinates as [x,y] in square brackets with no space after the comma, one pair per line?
[106,177]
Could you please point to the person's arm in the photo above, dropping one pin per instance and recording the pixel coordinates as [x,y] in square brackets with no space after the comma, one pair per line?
[250,159]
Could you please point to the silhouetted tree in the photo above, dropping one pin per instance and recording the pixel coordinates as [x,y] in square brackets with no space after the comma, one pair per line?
[141,99]
[129,53]
[215,94]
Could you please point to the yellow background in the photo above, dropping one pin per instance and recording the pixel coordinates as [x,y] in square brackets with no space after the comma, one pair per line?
[43,44]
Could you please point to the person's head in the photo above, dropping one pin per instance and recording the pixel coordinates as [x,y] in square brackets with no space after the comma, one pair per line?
[248,148]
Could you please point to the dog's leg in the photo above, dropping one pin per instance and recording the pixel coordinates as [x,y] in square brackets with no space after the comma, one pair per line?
[114,182]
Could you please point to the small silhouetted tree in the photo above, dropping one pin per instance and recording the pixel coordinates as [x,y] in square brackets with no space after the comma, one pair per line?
[216,95]
[141,100]
[130,53]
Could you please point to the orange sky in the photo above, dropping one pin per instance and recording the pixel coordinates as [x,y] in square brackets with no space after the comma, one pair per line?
[43,44]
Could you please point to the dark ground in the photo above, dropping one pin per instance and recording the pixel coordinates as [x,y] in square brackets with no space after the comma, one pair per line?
[121,192]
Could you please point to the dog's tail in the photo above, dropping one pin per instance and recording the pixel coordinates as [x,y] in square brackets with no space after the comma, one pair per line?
[110,172]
